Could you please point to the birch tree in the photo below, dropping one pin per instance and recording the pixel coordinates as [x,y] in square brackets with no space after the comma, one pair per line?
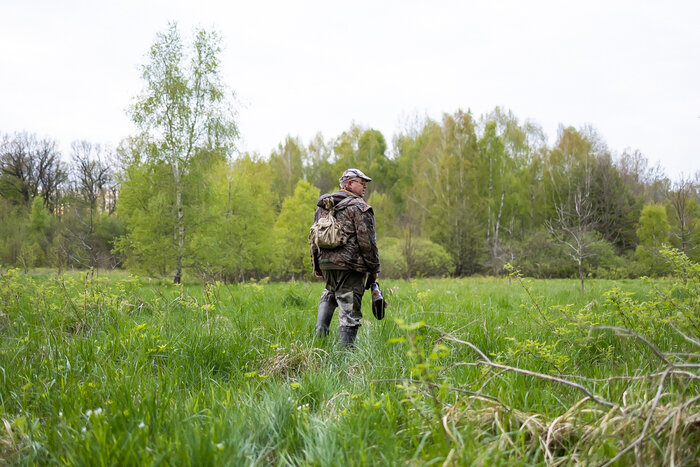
[184,109]
[447,190]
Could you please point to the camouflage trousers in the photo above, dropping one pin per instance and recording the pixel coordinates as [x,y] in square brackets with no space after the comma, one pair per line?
[344,289]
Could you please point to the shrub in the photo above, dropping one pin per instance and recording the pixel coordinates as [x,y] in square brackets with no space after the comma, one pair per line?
[418,257]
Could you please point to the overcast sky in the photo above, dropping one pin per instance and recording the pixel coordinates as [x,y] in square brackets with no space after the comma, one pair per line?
[631,69]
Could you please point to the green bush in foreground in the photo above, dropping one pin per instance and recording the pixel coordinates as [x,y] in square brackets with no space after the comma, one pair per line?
[128,371]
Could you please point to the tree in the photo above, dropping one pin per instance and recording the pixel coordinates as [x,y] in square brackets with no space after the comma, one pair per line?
[573,220]
[616,208]
[685,213]
[292,228]
[30,167]
[146,202]
[91,177]
[402,215]
[234,239]
[371,154]
[92,173]
[318,169]
[286,164]
[183,110]
[40,231]
[653,233]
[446,189]
[365,149]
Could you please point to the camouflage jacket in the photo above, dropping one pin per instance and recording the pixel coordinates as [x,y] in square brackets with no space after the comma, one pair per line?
[357,220]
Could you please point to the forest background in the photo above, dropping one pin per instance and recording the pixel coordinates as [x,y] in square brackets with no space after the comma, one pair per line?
[460,196]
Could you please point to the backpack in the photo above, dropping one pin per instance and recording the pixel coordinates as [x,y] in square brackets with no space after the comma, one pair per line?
[326,232]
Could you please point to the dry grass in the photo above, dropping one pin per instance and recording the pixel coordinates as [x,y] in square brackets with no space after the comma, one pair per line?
[9,442]
[288,363]
[580,432]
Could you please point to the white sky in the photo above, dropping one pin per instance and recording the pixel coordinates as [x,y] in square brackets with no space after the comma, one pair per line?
[631,69]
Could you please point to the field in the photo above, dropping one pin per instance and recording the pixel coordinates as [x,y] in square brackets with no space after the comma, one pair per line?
[120,370]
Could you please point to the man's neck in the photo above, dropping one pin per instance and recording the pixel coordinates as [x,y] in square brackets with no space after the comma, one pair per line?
[348,191]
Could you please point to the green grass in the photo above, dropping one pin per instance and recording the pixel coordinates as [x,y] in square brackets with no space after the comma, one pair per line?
[121,370]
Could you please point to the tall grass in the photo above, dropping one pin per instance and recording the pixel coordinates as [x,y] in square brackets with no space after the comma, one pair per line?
[122,370]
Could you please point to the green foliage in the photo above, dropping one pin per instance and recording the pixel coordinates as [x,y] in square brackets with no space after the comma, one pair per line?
[653,226]
[286,166]
[185,116]
[146,202]
[13,229]
[653,233]
[667,307]
[39,218]
[385,225]
[684,219]
[292,229]
[447,188]
[485,190]
[318,169]
[414,257]
[234,241]
[365,149]
[540,256]
[30,255]
[616,208]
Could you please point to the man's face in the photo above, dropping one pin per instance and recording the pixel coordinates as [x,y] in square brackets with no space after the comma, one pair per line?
[357,186]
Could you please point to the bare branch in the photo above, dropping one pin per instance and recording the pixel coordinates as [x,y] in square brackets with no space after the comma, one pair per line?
[435,385]
[689,339]
[643,435]
[629,333]
[670,416]
[555,379]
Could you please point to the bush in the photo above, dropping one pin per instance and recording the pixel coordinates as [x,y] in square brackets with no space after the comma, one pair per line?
[615,267]
[419,258]
[539,256]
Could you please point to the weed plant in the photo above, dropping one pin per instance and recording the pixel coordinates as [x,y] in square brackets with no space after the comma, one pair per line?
[123,370]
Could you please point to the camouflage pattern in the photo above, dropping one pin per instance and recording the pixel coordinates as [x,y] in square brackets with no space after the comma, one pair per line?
[353,173]
[357,220]
[344,289]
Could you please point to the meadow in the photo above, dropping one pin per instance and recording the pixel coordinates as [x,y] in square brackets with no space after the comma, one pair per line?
[114,369]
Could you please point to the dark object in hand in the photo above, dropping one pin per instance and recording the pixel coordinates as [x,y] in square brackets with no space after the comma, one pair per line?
[378,302]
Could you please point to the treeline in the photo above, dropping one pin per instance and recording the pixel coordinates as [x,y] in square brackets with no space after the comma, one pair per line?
[56,212]
[456,197]
[459,196]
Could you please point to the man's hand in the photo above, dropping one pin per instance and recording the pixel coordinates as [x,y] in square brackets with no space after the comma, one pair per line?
[318,276]
[371,279]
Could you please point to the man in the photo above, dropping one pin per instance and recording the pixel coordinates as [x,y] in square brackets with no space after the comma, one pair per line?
[350,268]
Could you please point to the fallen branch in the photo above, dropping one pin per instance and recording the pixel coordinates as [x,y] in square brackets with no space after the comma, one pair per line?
[674,413]
[555,379]
[435,385]
[689,339]
[450,337]
[632,378]
[566,382]
[629,333]
[643,435]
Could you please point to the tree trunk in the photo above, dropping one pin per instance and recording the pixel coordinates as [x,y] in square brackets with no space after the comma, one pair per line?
[497,227]
[580,273]
[180,231]
[91,236]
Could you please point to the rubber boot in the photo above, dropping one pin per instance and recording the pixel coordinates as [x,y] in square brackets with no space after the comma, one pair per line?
[323,321]
[346,337]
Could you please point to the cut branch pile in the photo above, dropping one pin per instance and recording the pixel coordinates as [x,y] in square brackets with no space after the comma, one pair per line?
[663,426]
